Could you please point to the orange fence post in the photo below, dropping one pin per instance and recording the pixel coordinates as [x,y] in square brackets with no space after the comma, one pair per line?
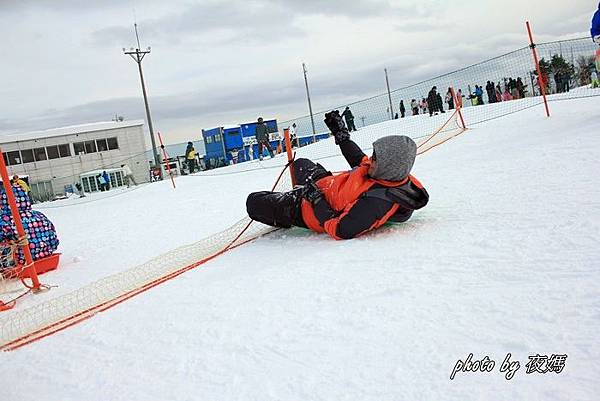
[458,107]
[18,224]
[541,80]
[166,158]
[290,154]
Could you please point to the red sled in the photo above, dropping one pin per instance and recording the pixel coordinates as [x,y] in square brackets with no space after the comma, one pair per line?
[41,266]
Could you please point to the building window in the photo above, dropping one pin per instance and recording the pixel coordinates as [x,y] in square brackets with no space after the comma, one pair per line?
[102,145]
[209,139]
[90,146]
[40,154]
[27,155]
[13,158]
[218,138]
[52,152]
[64,150]
[112,143]
[120,181]
[92,181]
[79,148]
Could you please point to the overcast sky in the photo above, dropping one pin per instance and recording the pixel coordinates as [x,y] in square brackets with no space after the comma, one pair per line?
[228,61]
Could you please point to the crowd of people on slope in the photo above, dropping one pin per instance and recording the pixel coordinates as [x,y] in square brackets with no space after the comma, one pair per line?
[434,103]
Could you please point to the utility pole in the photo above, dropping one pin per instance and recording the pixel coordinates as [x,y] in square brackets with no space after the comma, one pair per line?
[387,82]
[312,119]
[138,55]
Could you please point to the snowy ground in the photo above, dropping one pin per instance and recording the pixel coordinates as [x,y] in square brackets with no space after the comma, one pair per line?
[505,258]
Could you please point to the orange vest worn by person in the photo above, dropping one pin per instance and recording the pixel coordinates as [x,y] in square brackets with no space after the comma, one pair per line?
[342,191]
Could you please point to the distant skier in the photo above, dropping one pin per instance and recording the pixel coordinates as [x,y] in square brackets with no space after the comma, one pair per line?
[262,138]
[377,189]
[349,117]
[402,109]
[595,31]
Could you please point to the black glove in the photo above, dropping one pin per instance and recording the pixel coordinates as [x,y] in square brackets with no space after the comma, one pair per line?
[321,207]
[336,125]
[311,192]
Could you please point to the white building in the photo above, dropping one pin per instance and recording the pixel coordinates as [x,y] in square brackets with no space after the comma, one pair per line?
[56,160]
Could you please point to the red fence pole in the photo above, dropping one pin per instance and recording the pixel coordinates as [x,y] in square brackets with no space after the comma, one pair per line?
[18,224]
[541,80]
[458,107]
[290,154]
[162,146]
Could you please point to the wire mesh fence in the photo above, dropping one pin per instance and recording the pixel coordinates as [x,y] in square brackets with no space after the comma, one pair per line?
[566,66]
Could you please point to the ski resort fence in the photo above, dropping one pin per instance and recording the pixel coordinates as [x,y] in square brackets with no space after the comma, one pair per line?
[565,74]
[566,67]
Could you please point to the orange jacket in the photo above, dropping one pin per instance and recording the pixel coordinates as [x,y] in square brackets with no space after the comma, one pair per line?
[342,192]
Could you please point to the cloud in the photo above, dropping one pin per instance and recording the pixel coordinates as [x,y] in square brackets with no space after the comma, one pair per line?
[226,21]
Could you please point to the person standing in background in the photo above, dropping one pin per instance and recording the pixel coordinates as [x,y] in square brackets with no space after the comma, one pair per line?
[440,103]
[520,87]
[349,117]
[190,157]
[106,180]
[459,97]
[402,109]
[262,138]
[414,105]
[128,175]
[293,136]
[450,99]
[432,101]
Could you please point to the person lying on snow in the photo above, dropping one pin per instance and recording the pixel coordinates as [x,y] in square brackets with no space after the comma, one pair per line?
[378,189]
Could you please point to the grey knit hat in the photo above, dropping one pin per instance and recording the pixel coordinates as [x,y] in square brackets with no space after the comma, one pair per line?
[394,157]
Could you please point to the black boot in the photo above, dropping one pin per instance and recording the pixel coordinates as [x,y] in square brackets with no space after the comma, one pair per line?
[277,209]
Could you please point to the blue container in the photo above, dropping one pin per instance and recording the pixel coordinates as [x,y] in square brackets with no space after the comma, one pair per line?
[213,142]
[233,138]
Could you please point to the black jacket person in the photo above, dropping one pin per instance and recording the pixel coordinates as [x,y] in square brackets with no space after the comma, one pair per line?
[262,138]
[347,114]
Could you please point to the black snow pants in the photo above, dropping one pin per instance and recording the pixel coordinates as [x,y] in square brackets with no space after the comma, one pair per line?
[283,209]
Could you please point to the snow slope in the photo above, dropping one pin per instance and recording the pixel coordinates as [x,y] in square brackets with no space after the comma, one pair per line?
[505,258]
